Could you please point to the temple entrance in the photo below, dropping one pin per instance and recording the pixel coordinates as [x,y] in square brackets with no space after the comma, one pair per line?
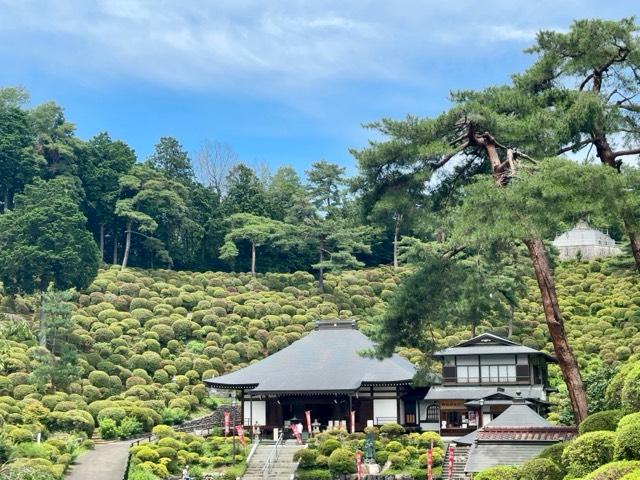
[326,410]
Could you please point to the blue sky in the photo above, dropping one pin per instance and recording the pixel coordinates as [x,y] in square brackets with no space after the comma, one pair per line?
[283,82]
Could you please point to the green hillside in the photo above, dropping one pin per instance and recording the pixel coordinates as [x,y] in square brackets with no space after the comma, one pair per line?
[147,338]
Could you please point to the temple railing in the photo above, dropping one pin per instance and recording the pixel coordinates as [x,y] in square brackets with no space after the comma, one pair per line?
[273,457]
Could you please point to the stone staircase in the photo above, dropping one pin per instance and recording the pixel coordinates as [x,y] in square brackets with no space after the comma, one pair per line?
[282,469]
[460,454]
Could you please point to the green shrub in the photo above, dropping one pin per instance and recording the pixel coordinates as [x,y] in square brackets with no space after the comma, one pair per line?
[628,442]
[554,453]
[629,419]
[342,462]
[306,457]
[394,446]
[497,473]
[613,471]
[606,420]
[328,446]
[631,391]
[588,452]
[540,469]
[316,474]
[392,430]
[147,454]
[129,427]
[108,429]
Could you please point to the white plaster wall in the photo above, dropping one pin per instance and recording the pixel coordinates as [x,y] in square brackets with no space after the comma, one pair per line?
[259,412]
[387,407]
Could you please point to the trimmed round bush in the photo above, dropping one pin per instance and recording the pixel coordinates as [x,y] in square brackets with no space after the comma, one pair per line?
[497,473]
[540,469]
[629,419]
[392,430]
[607,420]
[342,462]
[328,446]
[587,452]
[631,391]
[628,442]
[306,457]
[613,471]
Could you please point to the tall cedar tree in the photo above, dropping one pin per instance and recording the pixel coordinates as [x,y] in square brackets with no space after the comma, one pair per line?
[170,158]
[44,242]
[103,161]
[326,184]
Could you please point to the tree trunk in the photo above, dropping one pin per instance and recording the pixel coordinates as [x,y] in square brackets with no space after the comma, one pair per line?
[511,312]
[127,245]
[102,242]
[42,318]
[396,231]
[253,259]
[5,202]
[321,269]
[555,324]
[115,246]
[634,241]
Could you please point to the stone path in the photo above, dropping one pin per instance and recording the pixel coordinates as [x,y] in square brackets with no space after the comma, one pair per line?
[106,462]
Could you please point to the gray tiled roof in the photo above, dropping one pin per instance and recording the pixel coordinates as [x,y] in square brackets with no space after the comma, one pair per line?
[485,455]
[489,344]
[517,415]
[513,437]
[325,360]
[440,392]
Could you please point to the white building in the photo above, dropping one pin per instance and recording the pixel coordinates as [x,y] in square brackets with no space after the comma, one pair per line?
[585,242]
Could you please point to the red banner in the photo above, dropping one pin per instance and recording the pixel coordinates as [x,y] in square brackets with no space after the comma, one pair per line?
[294,429]
[227,422]
[240,432]
[353,421]
[450,462]
[430,462]
[307,415]
[359,463]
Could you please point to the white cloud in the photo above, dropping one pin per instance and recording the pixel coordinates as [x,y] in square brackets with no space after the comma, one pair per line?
[259,47]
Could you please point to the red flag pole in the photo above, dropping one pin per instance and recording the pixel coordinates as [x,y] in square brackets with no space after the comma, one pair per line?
[307,414]
[240,432]
[294,429]
[227,422]
[451,456]
[430,462]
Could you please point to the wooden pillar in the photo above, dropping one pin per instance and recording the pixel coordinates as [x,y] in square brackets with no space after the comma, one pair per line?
[349,414]
[241,407]
[398,405]
[251,414]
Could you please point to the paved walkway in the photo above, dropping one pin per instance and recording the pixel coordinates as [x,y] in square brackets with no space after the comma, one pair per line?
[106,462]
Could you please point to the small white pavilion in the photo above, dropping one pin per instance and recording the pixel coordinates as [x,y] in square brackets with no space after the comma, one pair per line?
[585,242]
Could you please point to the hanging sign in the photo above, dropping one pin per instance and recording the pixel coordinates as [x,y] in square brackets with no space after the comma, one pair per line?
[307,415]
[353,421]
[227,422]
[359,463]
[450,462]
[240,432]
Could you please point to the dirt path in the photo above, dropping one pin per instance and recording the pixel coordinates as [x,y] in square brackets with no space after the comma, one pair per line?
[106,462]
